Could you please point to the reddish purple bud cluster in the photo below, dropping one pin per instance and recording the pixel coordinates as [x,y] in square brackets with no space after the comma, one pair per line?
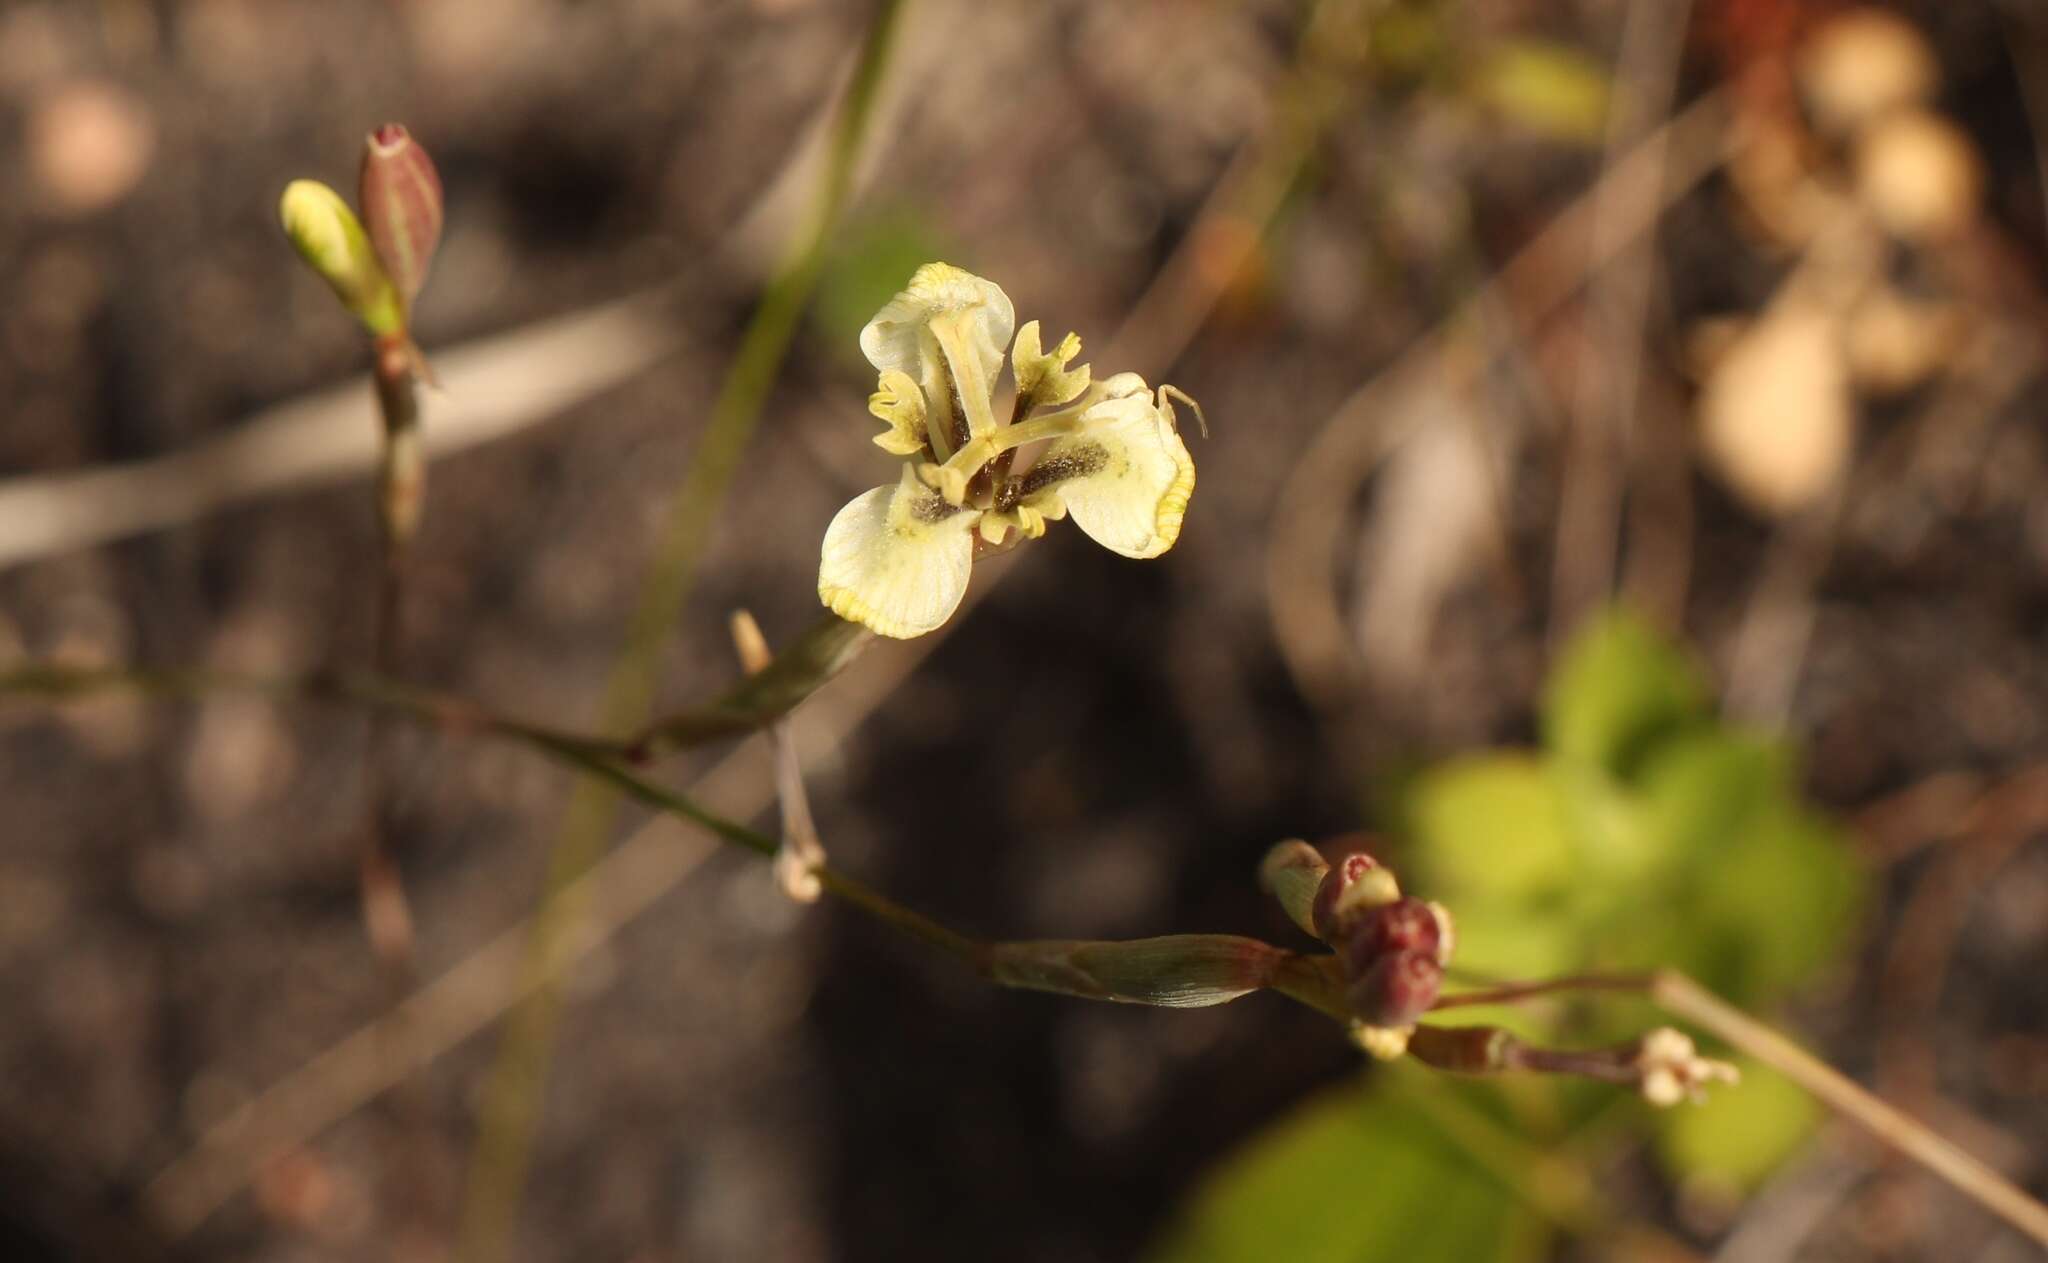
[1391,947]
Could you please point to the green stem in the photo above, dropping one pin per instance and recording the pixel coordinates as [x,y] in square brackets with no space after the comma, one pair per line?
[512,1095]
[802,668]
[447,713]
[401,498]
[1311,980]
[1511,993]
[1687,1000]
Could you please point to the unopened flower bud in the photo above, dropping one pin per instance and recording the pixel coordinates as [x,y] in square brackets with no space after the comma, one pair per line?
[1178,971]
[1397,989]
[1355,885]
[1405,925]
[400,194]
[331,240]
[1292,873]
[1341,875]
[1672,1070]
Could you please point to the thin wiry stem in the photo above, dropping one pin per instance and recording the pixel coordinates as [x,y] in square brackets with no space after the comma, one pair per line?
[1688,1001]
[401,495]
[1509,993]
[1307,979]
[511,1098]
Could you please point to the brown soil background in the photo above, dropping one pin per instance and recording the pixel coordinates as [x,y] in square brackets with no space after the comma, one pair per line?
[1100,748]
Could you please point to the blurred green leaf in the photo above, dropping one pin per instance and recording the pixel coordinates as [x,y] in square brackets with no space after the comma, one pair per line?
[1493,827]
[1536,860]
[1647,833]
[1771,889]
[1548,88]
[1743,1133]
[1619,688]
[870,260]
[1357,1173]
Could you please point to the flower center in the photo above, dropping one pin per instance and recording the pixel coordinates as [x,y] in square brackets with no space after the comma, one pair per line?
[958,471]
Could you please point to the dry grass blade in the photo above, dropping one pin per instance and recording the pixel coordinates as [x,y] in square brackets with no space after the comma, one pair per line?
[1683,998]
[1309,518]
[1608,386]
[495,387]
[428,1023]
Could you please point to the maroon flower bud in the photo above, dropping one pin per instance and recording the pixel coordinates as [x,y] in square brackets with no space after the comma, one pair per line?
[400,195]
[1397,989]
[1341,874]
[1353,885]
[1406,925]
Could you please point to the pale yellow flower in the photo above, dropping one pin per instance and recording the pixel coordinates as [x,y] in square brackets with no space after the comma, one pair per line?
[1109,454]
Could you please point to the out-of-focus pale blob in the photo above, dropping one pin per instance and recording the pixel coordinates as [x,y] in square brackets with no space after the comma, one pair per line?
[1894,342]
[1918,176]
[1435,520]
[1862,64]
[1776,420]
[1771,169]
[89,143]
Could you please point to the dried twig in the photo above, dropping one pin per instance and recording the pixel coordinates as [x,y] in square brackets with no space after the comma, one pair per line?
[1309,517]
[801,854]
[1610,371]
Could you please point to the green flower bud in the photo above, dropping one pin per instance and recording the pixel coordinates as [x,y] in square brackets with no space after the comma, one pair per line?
[1292,872]
[330,239]
[400,193]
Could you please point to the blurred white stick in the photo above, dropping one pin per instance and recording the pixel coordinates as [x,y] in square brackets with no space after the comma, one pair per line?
[493,387]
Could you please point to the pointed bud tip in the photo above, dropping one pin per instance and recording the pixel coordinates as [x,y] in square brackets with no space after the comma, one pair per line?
[400,192]
[1293,873]
[1342,876]
[1292,855]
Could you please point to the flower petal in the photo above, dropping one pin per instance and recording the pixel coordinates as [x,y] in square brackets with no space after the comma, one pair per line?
[894,338]
[899,402]
[1043,378]
[896,559]
[1125,478]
